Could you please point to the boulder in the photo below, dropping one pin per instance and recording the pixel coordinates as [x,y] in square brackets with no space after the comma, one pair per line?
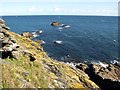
[1,35]
[55,23]
[2,21]
[5,27]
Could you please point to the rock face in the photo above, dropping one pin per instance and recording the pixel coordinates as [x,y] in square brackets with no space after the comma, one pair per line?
[8,45]
[3,25]
[26,65]
[106,78]
[55,24]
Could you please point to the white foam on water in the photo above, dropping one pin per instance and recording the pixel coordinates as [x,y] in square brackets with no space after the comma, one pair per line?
[114,61]
[35,35]
[103,65]
[58,42]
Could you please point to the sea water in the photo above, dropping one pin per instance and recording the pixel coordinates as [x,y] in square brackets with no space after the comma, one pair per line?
[93,38]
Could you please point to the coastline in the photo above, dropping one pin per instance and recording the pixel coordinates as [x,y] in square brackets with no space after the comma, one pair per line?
[21,52]
[80,42]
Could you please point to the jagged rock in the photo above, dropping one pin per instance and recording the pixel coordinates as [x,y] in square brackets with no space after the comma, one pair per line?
[12,47]
[27,34]
[110,72]
[55,24]
[8,47]
[109,77]
[55,70]
[3,25]
[6,40]
[13,40]
[2,21]
[105,77]
[82,66]
[117,64]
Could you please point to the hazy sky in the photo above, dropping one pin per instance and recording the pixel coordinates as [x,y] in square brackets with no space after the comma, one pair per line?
[59,7]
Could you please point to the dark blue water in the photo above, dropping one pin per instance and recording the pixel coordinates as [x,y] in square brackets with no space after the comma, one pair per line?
[88,38]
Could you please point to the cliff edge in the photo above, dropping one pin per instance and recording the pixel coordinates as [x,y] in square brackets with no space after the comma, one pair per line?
[26,65]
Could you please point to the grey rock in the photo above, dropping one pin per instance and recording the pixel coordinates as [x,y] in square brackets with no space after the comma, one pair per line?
[2,21]
[15,54]
[0,27]
[7,48]
[5,27]
[1,35]
[13,40]
[6,40]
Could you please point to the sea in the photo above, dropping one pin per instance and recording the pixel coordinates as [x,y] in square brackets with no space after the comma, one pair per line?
[89,38]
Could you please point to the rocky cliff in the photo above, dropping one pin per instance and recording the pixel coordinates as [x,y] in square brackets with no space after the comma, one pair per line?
[26,65]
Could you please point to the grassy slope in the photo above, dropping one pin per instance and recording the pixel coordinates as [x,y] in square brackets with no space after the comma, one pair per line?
[41,73]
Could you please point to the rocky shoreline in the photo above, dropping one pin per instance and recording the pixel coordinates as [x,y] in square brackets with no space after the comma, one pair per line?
[28,66]
[107,78]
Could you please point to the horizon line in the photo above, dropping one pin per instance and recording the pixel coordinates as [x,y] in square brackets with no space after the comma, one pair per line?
[59,15]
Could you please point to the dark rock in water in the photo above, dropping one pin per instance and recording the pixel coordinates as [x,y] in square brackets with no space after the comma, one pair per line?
[27,34]
[38,32]
[55,23]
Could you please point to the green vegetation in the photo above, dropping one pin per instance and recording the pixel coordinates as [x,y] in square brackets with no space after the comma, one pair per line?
[34,69]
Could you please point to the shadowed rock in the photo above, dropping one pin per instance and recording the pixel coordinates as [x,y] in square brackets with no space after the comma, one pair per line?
[106,78]
[55,24]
